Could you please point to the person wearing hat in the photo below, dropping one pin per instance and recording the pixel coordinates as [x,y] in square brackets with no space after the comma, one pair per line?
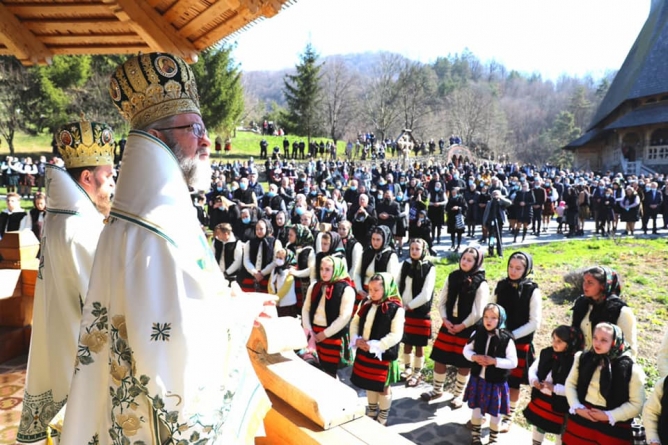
[78,201]
[162,352]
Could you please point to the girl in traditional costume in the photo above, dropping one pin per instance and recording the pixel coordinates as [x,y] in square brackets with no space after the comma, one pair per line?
[521,299]
[330,245]
[258,259]
[604,390]
[462,300]
[301,243]
[328,318]
[282,284]
[376,331]
[548,407]
[416,285]
[492,350]
[378,257]
[600,301]
[655,414]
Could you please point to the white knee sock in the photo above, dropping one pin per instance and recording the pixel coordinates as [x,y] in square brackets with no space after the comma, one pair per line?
[384,403]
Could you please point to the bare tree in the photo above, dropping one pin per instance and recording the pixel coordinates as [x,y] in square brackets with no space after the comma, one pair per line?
[469,111]
[339,105]
[380,95]
[416,94]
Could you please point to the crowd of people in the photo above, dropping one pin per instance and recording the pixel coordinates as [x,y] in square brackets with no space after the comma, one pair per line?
[326,238]
[337,229]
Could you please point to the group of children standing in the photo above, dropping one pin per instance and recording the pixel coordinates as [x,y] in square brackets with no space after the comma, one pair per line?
[586,388]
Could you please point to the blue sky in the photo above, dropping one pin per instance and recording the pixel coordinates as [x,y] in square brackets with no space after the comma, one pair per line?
[552,37]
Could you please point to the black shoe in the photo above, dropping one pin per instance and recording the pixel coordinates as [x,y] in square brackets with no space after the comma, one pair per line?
[654,232]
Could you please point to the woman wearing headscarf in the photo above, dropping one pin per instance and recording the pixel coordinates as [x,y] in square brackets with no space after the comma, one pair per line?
[327,312]
[456,206]
[300,241]
[258,259]
[600,301]
[330,245]
[416,286]
[282,284]
[522,301]
[280,228]
[378,257]
[547,376]
[376,332]
[462,300]
[605,391]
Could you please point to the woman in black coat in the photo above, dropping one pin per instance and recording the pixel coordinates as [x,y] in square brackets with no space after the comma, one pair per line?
[456,205]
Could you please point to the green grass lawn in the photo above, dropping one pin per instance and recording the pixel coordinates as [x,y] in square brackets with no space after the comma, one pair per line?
[244,145]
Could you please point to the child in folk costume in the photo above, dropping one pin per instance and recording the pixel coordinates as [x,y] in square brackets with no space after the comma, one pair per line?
[492,350]
[328,318]
[600,301]
[655,414]
[462,300]
[522,301]
[282,284]
[330,245]
[378,257]
[300,241]
[604,390]
[376,331]
[548,407]
[416,285]
[258,258]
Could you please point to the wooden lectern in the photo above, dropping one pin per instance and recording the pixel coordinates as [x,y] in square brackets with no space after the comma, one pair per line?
[308,406]
[18,274]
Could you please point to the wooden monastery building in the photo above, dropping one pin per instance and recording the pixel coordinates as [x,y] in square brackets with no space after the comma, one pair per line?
[629,131]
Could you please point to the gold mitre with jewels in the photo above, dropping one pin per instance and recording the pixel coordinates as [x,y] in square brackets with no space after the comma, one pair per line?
[86,144]
[150,87]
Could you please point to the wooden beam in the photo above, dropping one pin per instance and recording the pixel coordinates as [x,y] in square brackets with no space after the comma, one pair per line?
[243,18]
[181,8]
[97,39]
[215,10]
[106,26]
[23,44]
[101,49]
[35,10]
[149,24]
[271,8]
[252,5]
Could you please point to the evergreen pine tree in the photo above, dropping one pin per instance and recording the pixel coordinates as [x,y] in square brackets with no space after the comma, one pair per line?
[303,95]
[219,86]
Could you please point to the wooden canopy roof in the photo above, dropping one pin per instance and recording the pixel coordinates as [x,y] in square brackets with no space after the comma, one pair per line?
[35,30]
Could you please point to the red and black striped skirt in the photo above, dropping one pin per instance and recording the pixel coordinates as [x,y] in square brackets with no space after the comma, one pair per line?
[417,329]
[249,284]
[333,353]
[448,349]
[525,357]
[370,373]
[540,412]
[581,431]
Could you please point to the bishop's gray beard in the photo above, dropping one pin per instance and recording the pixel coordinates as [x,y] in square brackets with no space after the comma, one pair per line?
[196,173]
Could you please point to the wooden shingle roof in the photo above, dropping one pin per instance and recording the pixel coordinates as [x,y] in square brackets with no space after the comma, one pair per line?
[643,72]
[35,30]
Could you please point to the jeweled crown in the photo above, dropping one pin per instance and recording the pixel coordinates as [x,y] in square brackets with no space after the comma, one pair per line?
[149,87]
[86,144]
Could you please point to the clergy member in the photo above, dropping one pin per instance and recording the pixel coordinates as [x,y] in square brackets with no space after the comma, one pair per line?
[162,351]
[79,198]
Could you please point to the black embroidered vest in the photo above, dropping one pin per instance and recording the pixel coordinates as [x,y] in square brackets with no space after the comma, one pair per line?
[382,325]
[622,368]
[518,307]
[332,306]
[416,285]
[497,348]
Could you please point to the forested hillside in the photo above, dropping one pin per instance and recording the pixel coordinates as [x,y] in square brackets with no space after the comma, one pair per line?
[493,108]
